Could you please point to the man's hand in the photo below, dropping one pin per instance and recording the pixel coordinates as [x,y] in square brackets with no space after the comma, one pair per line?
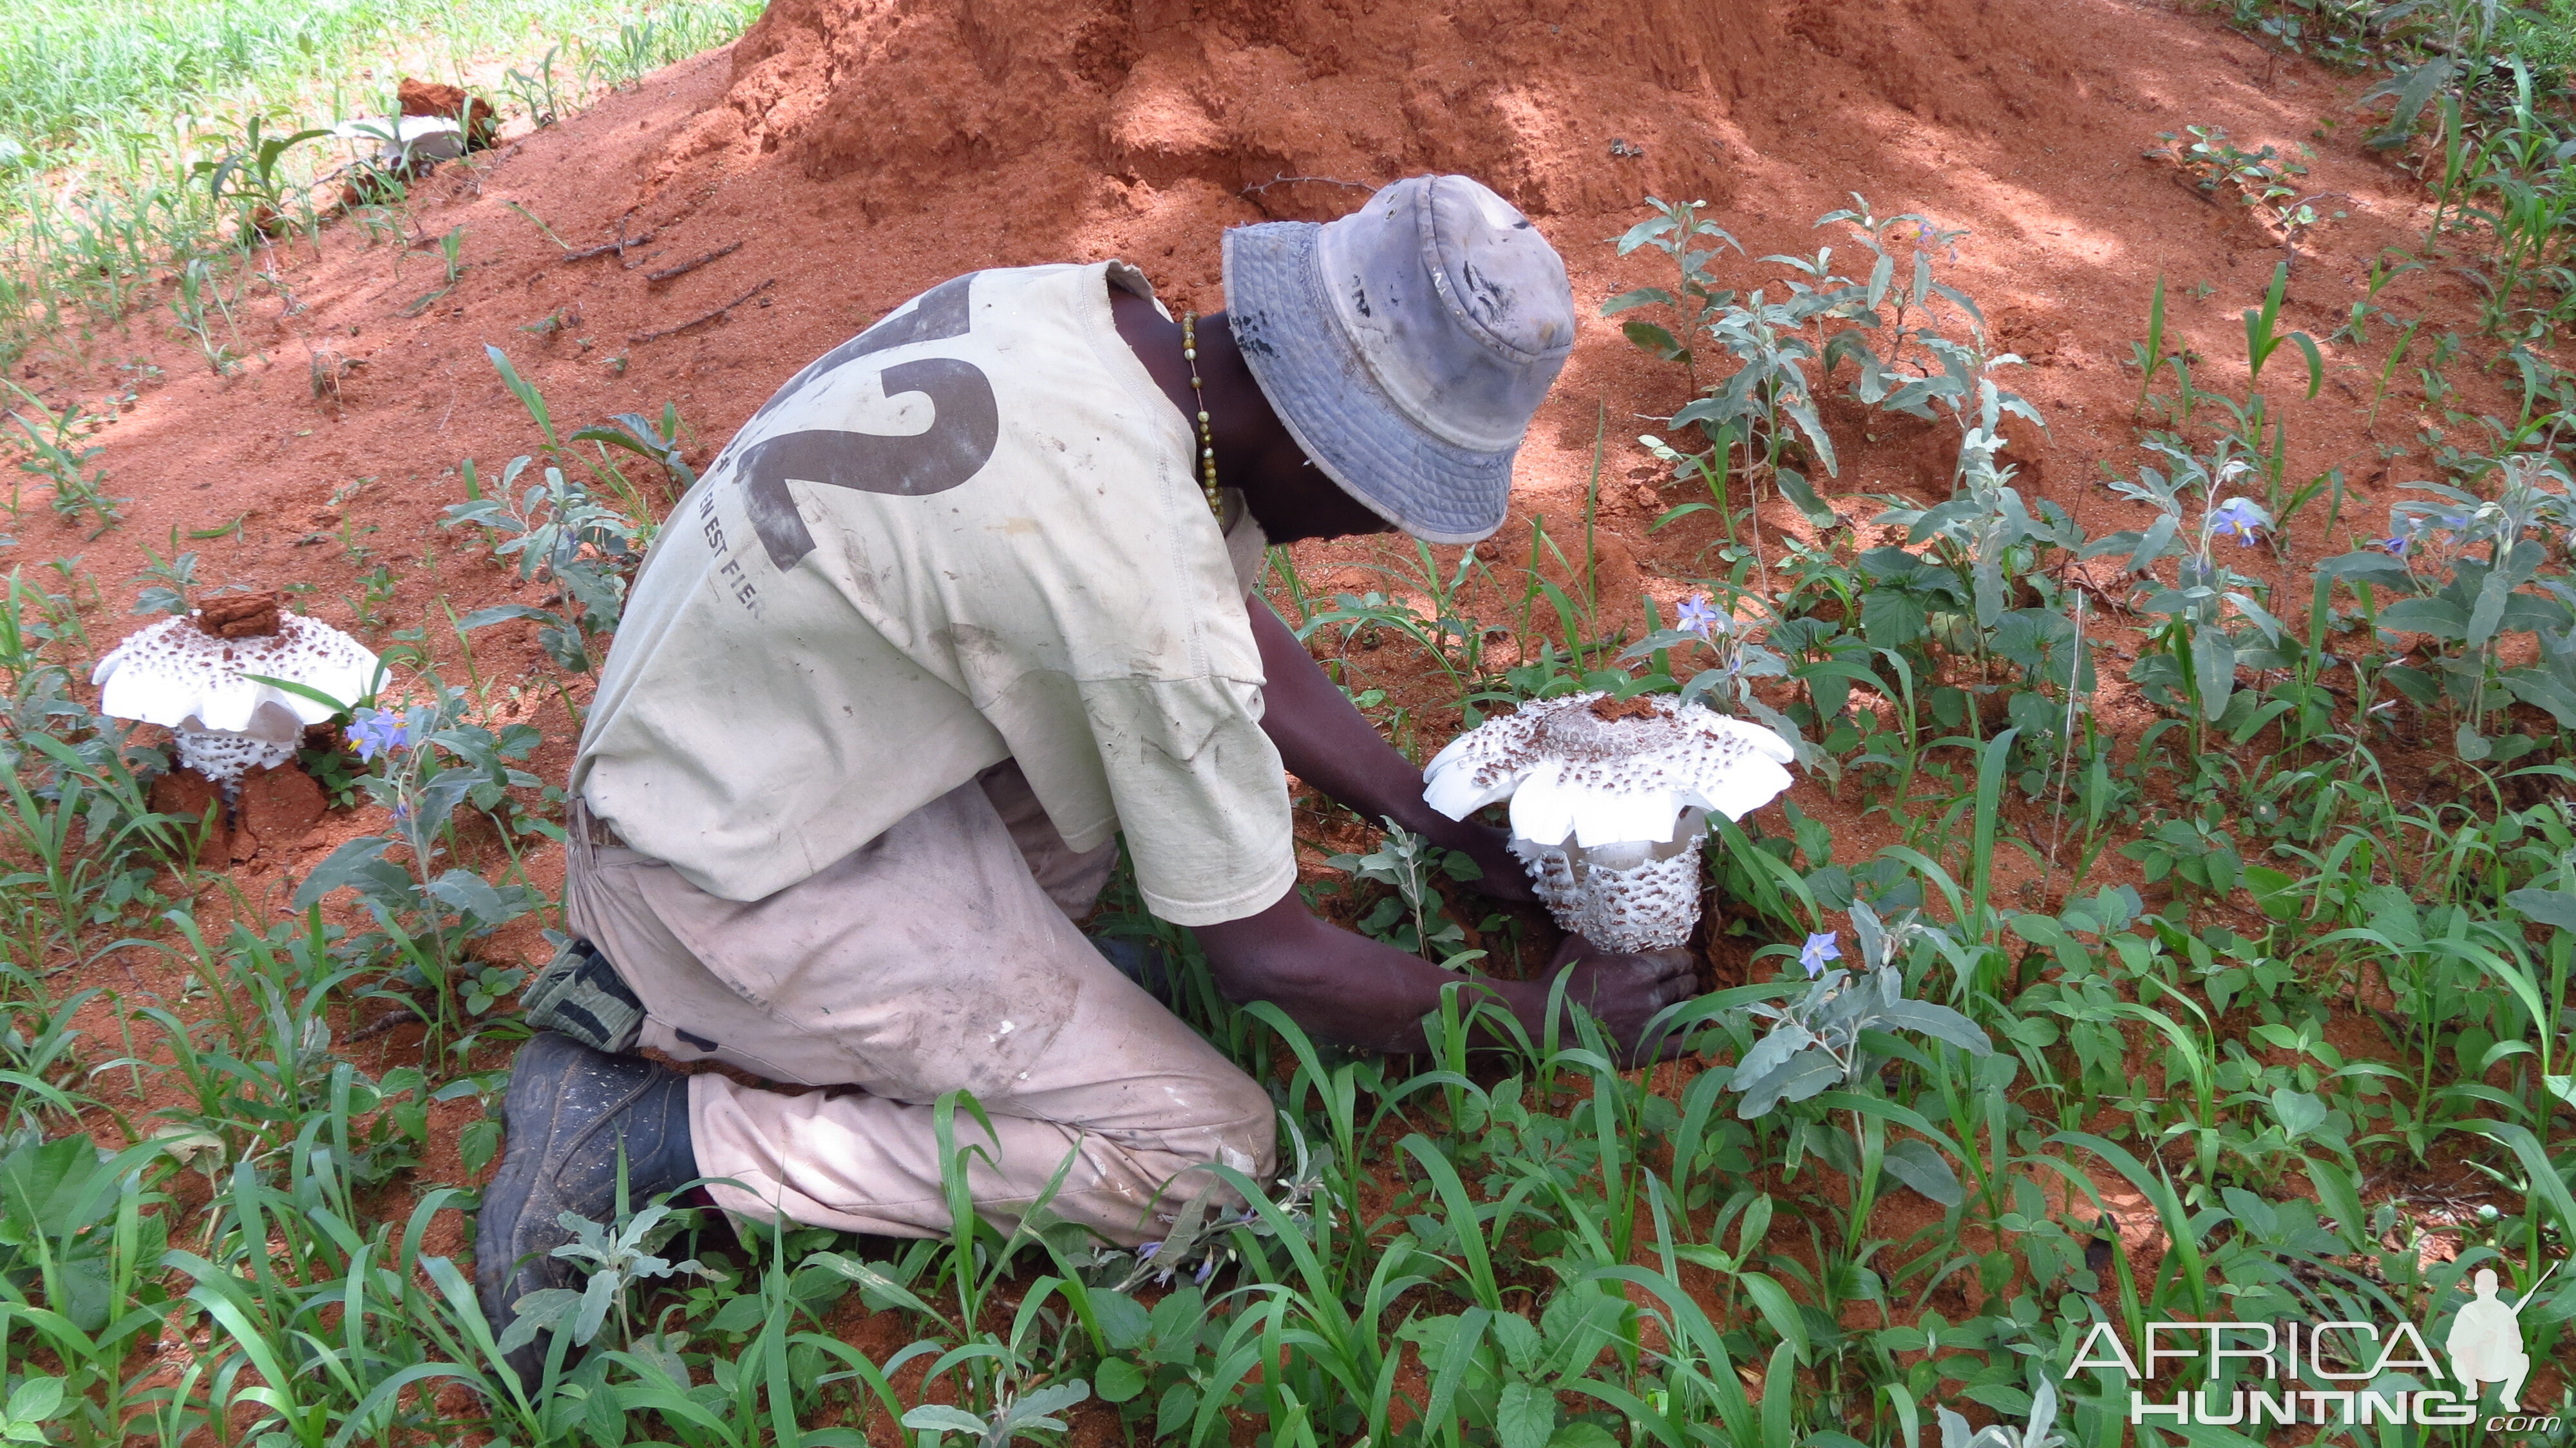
[1625,992]
[1358,992]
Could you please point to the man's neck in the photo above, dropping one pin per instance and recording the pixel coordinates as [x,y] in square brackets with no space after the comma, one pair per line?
[1254,451]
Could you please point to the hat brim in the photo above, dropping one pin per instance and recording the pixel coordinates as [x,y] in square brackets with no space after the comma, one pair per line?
[1317,382]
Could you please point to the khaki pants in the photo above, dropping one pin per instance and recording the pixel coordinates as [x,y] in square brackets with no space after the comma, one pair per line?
[940,956]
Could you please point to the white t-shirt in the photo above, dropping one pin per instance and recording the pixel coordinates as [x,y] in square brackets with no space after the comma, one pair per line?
[971,533]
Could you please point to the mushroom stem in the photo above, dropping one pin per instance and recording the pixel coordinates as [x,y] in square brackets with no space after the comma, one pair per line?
[225,755]
[1629,896]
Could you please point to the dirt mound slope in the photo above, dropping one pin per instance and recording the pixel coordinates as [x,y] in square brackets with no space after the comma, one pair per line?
[1526,94]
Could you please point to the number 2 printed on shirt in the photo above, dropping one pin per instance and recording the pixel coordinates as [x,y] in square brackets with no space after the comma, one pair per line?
[965,425]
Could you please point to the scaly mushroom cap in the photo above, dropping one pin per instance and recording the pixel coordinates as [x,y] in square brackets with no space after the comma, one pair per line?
[1608,771]
[178,674]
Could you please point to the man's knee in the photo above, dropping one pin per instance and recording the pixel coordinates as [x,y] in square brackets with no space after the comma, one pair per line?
[1246,1127]
[1231,1123]
[1250,1145]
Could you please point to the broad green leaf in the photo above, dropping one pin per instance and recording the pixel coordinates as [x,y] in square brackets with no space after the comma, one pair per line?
[36,1400]
[1117,1380]
[2299,1112]
[2213,669]
[2549,907]
[1525,1416]
[1780,1310]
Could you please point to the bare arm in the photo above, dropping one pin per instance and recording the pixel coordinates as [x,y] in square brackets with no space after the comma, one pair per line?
[1329,744]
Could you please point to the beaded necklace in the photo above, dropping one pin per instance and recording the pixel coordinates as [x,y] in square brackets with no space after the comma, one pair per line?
[1207,436]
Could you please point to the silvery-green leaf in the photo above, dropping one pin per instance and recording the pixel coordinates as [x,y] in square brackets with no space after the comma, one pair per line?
[1772,1052]
[1920,1166]
[2213,668]
[539,1310]
[596,1300]
[1051,1398]
[663,1351]
[2043,1416]
[1866,929]
[940,1418]
[2549,907]
[1807,1074]
[1941,1023]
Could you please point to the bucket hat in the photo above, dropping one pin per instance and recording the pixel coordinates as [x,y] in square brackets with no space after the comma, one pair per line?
[1406,345]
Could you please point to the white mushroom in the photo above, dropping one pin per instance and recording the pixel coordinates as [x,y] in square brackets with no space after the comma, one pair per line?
[407,140]
[191,674]
[1608,801]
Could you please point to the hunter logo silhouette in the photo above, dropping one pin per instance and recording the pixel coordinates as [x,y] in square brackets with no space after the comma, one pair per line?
[2486,1342]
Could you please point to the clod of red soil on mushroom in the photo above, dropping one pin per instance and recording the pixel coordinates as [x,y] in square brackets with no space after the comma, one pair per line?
[474,116]
[1632,782]
[199,676]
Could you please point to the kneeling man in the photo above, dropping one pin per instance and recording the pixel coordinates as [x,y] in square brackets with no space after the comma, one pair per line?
[970,597]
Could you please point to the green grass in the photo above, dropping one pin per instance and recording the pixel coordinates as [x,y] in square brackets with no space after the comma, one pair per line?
[114,118]
[119,68]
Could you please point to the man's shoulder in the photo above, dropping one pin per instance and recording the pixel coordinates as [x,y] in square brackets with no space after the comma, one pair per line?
[1051,284]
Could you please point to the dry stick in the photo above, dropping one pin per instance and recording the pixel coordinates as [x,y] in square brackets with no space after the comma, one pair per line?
[399,1016]
[618,246]
[642,337]
[684,268]
[1284,179]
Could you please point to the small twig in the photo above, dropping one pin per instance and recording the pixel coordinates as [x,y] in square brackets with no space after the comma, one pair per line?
[399,1016]
[1283,180]
[618,246]
[692,264]
[641,338]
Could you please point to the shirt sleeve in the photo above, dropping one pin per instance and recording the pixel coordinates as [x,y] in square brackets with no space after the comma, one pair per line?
[1200,793]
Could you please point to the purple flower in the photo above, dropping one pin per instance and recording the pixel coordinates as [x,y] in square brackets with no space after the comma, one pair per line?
[2398,543]
[1822,946]
[374,732]
[1699,617]
[2239,518]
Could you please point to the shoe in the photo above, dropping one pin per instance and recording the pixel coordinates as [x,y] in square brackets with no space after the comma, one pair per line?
[568,1111]
[579,994]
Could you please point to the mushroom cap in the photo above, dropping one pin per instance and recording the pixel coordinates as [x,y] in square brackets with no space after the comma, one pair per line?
[174,673]
[1608,772]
